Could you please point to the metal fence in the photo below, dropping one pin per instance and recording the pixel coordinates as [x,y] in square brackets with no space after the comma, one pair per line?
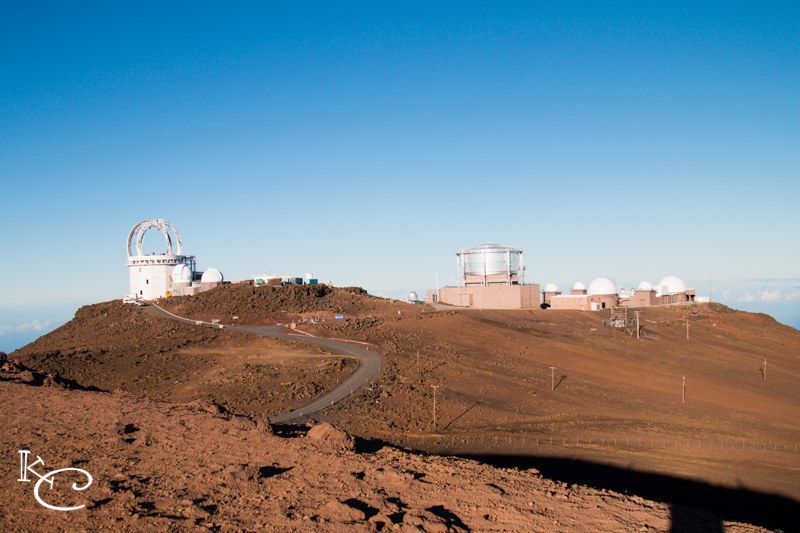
[531,443]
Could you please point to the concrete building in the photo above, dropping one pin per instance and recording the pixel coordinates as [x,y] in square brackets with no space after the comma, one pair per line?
[670,290]
[578,288]
[490,276]
[601,294]
[159,275]
[550,290]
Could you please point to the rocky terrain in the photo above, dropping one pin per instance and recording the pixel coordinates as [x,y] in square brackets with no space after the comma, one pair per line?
[160,466]
[268,305]
[553,391]
[609,397]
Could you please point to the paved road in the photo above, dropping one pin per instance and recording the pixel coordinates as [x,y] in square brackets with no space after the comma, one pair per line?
[369,363]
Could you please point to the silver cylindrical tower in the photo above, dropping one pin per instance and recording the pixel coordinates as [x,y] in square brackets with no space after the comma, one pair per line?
[490,264]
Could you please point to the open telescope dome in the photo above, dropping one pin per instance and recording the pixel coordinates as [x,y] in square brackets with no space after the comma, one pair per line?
[159,224]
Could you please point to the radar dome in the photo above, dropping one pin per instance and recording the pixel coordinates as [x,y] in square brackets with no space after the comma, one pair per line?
[212,275]
[551,287]
[579,286]
[600,286]
[672,285]
[181,273]
[645,286]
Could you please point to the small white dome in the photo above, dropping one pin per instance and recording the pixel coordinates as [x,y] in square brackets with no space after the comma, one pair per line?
[551,287]
[181,273]
[671,285]
[623,293]
[412,296]
[212,275]
[645,286]
[602,285]
[579,286]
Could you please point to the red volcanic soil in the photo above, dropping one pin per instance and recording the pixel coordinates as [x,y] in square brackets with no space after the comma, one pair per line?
[116,346]
[159,466]
[610,413]
[267,305]
[617,399]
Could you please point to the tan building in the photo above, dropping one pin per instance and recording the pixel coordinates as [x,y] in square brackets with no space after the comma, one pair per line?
[550,290]
[488,297]
[669,291]
[490,276]
[601,294]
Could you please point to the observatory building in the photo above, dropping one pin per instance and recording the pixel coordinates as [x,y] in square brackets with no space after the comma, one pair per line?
[490,276]
[602,293]
[670,290]
[153,276]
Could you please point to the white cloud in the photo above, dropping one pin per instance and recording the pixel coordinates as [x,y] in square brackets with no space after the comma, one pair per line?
[26,327]
[768,296]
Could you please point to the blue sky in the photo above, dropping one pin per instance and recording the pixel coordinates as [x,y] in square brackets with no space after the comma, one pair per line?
[366,142]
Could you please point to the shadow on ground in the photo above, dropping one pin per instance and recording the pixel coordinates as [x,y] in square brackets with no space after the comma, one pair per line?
[694,505]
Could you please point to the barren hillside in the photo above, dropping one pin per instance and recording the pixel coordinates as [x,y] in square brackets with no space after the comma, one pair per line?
[266,304]
[616,398]
[117,346]
[158,466]
[555,390]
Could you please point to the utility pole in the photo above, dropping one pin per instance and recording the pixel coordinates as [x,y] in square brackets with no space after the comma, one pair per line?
[710,288]
[637,324]
[434,405]
[765,369]
[684,390]
[552,378]
[687,328]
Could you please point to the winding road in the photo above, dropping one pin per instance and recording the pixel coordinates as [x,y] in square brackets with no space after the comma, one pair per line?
[369,363]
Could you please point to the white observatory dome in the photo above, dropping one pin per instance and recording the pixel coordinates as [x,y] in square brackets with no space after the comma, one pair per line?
[412,297]
[579,286]
[623,293]
[672,285]
[551,287]
[181,273]
[645,286]
[602,285]
[212,275]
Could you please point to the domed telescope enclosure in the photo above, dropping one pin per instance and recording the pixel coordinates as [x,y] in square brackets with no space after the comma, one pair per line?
[151,276]
[490,264]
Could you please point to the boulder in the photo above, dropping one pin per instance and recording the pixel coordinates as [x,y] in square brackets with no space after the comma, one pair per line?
[328,437]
